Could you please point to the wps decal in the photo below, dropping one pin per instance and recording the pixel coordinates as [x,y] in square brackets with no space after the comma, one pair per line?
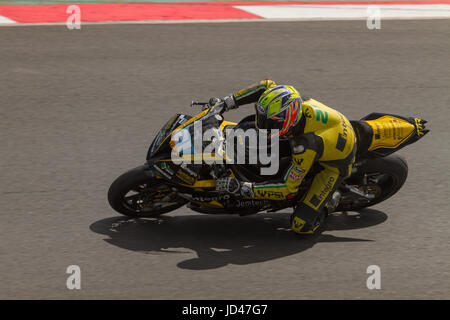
[269,194]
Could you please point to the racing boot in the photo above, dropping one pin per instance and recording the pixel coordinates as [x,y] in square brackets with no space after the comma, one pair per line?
[306,220]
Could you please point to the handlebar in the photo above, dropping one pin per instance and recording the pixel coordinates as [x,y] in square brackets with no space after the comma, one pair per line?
[219,107]
[197,103]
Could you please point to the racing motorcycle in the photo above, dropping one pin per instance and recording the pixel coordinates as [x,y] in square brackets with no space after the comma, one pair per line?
[162,184]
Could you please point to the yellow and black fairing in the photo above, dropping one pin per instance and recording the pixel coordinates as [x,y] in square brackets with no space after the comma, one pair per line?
[193,178]
[160,151]
[194,182]
[382,134]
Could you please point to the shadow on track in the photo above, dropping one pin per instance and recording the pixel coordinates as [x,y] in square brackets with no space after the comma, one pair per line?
[219,240]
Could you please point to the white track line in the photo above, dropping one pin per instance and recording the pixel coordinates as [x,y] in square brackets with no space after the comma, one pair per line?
[5,20]
[99,23]
[347,11]
[205,21]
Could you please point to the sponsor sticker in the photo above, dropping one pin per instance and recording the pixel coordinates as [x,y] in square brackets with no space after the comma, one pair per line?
[298,170]
[251,203]
[162,172]
[219,198]
[270,194]
[185,177]
[317,199]
[295,176]
[307,114]
[166,168]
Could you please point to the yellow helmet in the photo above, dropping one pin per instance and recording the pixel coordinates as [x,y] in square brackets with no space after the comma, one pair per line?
[279,108]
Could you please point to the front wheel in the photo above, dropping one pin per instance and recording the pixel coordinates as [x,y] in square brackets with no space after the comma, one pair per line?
[135,194]
[380,178]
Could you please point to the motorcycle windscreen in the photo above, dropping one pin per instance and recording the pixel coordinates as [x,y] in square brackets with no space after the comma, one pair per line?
[165,131]
[199,140]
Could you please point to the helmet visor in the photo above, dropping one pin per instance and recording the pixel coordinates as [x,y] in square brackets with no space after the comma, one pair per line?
[263,123]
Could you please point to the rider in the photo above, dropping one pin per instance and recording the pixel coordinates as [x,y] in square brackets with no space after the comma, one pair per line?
[316,134]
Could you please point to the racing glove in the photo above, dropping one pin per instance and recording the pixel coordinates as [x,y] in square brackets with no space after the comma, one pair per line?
[233,185]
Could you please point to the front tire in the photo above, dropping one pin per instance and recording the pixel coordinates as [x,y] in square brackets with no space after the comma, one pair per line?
[150,197]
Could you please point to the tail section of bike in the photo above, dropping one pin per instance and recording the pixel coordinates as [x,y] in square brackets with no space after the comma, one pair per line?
[382,134]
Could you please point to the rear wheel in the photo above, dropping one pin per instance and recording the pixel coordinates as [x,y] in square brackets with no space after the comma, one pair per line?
[135,194]
[378,178]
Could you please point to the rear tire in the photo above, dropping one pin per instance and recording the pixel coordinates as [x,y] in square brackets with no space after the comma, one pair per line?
[132,180]
[393,171]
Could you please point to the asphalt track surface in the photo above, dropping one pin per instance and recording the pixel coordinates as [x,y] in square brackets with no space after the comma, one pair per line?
[80,107]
